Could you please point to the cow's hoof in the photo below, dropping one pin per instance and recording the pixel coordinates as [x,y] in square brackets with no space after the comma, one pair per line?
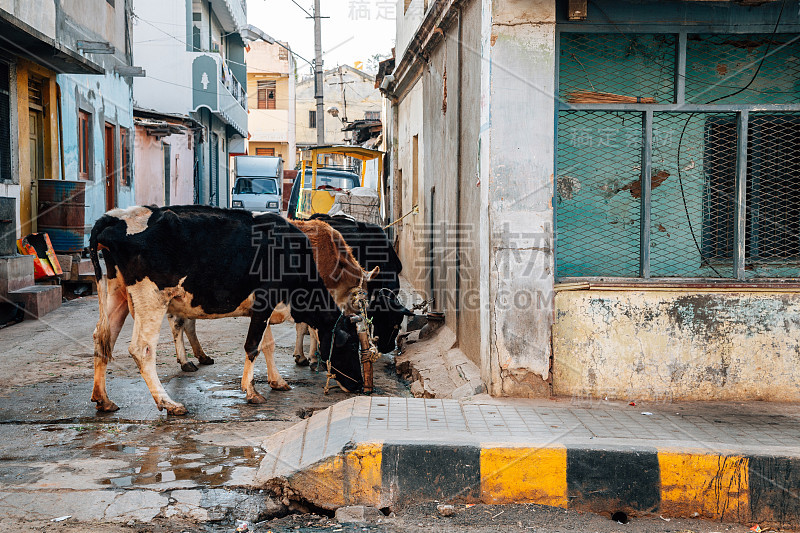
[177,410]
[256,399]
[279,385]
[205,360]
[106,406]
[300,360]
[189,367]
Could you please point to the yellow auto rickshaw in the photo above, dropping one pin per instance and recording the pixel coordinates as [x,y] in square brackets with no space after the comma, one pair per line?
[318,183]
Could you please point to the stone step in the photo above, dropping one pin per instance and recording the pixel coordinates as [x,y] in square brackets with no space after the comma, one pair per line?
[38,300]
[16,272]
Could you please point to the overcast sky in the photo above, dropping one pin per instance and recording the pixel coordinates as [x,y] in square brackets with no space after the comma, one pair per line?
[356,29]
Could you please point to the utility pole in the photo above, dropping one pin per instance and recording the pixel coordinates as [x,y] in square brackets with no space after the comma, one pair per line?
[318,82]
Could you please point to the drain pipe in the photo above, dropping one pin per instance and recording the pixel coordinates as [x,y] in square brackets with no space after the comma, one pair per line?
[60,131]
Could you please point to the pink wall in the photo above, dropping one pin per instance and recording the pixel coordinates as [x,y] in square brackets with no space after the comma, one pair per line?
[149,177]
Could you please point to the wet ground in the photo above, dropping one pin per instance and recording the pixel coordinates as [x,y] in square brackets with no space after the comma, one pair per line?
[59,457]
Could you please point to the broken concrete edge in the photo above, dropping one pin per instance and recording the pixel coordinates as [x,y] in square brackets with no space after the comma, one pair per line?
[438,369]
[636,481]
[143,506]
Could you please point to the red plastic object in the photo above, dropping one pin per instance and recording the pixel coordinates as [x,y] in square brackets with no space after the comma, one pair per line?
[45,262]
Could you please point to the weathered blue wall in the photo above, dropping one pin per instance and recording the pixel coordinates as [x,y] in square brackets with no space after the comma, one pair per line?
[108,99]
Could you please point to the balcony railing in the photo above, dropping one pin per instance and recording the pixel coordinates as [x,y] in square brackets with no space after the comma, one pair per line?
[233,86]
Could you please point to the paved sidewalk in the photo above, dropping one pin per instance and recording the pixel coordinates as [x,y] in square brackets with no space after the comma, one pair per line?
[733,462]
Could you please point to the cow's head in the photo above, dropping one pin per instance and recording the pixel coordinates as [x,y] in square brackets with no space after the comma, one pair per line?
[357,302]
[387,314]
[343,360]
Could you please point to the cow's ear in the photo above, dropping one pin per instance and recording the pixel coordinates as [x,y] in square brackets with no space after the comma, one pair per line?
[372,273]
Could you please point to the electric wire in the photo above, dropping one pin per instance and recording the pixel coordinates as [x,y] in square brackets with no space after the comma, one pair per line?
[686,124]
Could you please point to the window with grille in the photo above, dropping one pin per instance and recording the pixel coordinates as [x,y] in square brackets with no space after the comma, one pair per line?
[646,191]
[266,94]
[372,115]
[312,119]
[772,221]
[5,123]
[84,145]
[283,54]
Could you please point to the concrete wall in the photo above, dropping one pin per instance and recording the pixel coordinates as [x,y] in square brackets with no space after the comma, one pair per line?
[149,154]
[160,49]
[96,19]
[674,345]
[38,14]
[519,187]
[451,123]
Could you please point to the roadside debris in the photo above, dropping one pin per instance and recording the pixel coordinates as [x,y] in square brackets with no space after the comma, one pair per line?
[358,514]
[446,510]
[242,527]
[61,518]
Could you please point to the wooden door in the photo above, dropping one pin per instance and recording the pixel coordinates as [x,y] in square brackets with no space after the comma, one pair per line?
[111,182]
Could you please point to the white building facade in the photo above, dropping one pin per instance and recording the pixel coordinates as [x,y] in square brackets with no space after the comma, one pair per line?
[194,58]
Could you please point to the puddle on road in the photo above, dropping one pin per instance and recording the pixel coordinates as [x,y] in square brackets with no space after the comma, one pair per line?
[206,465]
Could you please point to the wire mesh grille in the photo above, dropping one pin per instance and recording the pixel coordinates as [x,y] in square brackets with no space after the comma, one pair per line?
[636,65]
[598,193]
[772,247]
[720,65]
[693,187]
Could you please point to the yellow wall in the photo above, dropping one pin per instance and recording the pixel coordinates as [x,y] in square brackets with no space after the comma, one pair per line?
[281,90]
[50,132]
[281,149]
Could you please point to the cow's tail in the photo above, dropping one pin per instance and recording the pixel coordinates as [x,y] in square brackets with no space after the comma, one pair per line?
[102,333]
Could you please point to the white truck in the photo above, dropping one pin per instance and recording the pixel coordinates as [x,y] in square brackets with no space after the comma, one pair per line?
[258,183]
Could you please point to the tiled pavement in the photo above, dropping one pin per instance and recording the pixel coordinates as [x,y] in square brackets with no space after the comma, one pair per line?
[752,428]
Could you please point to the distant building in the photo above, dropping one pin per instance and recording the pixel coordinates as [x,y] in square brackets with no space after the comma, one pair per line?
[164,152]
[271,99]
[195,63]
[349,93]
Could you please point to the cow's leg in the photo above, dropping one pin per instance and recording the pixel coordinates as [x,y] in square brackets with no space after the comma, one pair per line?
[276,381]
[300,328]
[191,334]
[113,310]
[150,311]
[177,325]
[314,349]
[255,332]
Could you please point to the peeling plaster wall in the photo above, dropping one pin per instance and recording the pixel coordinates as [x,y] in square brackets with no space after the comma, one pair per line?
[677,345]
[520,192]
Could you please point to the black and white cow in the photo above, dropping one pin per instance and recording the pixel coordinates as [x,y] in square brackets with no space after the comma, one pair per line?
[202,262]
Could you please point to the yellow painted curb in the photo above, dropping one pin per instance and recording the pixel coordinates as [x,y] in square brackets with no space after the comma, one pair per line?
[524,475]
[712,486]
